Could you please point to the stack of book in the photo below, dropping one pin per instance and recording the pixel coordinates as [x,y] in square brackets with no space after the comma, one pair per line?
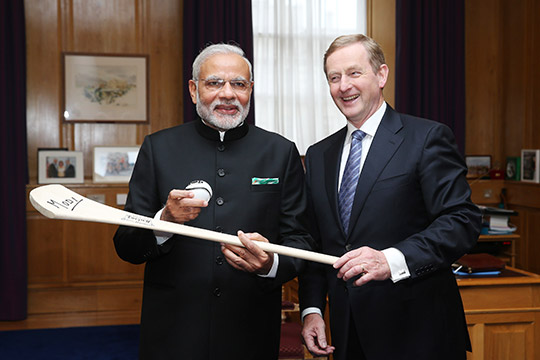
[496,221]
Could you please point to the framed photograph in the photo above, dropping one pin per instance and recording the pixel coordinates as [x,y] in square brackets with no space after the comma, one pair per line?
[114,164]
[530,163]
[105,88]
[478,165]
[513,168]
[57,166]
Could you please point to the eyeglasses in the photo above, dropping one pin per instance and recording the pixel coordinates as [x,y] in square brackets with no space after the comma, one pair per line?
[237,85]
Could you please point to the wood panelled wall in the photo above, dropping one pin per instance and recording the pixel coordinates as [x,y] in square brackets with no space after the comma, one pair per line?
[502,88]
[99,26]
[381,26]
[74,275]
[502,77]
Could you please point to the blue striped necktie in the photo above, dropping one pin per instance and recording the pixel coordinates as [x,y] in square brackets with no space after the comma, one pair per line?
[350,179]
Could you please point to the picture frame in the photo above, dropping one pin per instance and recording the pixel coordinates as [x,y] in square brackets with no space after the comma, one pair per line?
[478,166]
[58,166]
[114,164]
[513,168]
[530,165]
[105,88]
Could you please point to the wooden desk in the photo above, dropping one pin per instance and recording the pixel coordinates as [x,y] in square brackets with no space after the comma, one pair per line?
[503,314]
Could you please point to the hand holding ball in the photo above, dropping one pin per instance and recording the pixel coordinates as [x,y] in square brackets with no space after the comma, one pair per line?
[201,189]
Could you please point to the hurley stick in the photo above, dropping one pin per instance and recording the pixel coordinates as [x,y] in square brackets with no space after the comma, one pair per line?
[58,202]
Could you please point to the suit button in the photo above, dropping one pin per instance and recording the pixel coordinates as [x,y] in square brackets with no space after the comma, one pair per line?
[220,201]
[217,292]
[221,147]
[348,247]
[221,172]
[219,260]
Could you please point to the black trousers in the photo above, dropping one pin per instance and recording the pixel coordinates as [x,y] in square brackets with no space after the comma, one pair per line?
[354,349]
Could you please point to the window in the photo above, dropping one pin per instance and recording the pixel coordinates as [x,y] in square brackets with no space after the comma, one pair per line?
[290,38]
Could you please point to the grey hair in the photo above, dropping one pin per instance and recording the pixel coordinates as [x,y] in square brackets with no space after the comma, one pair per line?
[218,49]
[375,52]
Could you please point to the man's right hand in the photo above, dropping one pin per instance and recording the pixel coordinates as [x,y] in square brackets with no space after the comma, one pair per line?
[181,207]
[315,336]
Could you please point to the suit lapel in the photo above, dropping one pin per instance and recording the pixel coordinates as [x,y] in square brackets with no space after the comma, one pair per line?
[332,159]
[384,145]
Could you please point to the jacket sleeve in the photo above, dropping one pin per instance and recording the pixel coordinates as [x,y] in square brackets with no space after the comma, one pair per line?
[133,244]
[455,221]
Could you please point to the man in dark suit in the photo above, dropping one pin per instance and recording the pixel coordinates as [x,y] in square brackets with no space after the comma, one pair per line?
[70,169]
[203,300]
[394,204]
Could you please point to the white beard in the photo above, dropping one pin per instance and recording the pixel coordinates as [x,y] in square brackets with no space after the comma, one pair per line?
[222,121]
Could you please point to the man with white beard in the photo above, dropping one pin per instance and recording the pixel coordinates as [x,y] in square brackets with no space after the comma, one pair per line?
[203,300]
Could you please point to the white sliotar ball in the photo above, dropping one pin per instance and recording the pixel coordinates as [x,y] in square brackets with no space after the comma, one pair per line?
[201,189]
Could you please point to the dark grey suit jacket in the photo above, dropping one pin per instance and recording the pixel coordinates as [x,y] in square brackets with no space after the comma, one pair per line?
[196,306]
[412,195]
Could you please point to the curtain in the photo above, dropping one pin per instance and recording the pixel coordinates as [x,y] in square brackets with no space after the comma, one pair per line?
[211,22]
[430,62]
[13,154]
[290,38]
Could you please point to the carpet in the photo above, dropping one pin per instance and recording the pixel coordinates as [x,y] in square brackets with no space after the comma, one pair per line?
[96,343]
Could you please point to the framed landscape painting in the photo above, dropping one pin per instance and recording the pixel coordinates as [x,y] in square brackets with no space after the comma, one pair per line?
[105,88]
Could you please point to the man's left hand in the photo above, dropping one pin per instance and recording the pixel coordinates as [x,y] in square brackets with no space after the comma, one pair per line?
[249,258]
[370,264]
